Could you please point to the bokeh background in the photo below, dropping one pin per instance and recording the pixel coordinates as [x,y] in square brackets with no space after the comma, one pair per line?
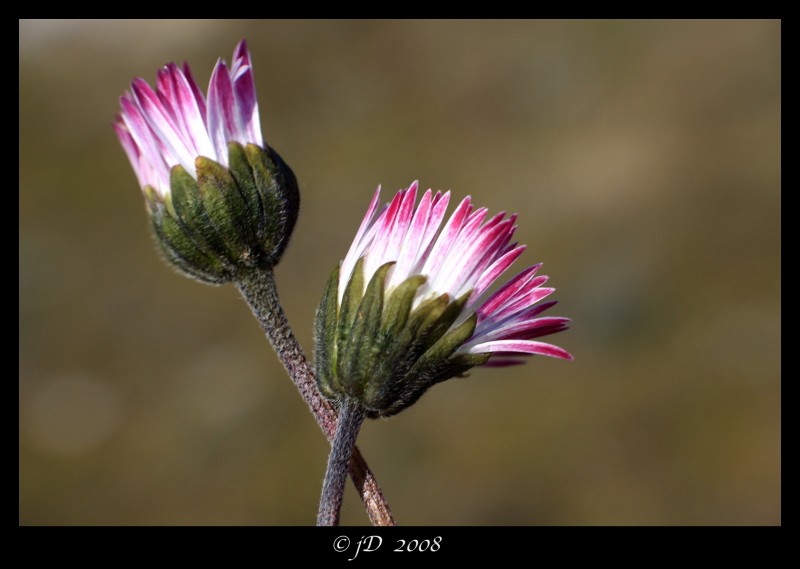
[643,159]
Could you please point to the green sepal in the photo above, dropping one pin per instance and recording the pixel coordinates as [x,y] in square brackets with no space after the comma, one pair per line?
[353,293]
[432,364]
[392,345]
[447,318]
[262,170]
[437,364]
[361,350]
[183,252]
[227,212]
[152,200]
[410,342]
[378,350]
[325,336]
[183,199]
[175,221]
[449,343]
[242,173]
[390,380]
[422,323]
[458,365]
[241,216]
[398,305]
[185,204]
[280,198]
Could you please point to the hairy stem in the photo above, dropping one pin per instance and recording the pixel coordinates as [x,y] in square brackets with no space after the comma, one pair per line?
[259,290]
[351,416]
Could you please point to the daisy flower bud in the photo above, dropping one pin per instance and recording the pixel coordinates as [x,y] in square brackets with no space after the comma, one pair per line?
[220,200]
[409,306]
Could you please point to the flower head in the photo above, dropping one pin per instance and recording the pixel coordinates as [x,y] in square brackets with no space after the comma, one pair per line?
[220,198]
[409,306]
[174,124]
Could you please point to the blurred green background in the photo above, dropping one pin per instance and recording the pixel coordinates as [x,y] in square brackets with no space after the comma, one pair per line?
[643,159]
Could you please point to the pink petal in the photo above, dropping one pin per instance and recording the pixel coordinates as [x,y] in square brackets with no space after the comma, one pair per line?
[523,301]
[189,114]
[494,249]
[199,97]
[383,233]
[244,88]
[488,324]
[358,245]
[401,224]
[171,124]
[411,247]
[131,150]
[447,238]
[508,291]
[496,269]
[460,275]
[522,330]
[146,142]
[161,124]
[221,111]
[440,203]
[522,347]
[164,90]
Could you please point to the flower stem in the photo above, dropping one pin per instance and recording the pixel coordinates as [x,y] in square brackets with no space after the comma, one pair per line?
[351,415]
[259,291]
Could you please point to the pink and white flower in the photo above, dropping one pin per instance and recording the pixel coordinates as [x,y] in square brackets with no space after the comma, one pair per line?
[465,255]
[221,202]
[175,123]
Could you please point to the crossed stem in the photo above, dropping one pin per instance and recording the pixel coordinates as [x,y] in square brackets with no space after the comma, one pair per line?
[260,292]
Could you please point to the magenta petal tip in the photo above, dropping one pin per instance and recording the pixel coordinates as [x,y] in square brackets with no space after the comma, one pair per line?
[176,122]
[467,254]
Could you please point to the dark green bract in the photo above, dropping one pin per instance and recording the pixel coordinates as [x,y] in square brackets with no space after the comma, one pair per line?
[230,220]
[376,350]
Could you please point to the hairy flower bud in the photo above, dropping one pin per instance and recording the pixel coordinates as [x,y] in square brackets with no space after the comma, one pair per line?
[221,201]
